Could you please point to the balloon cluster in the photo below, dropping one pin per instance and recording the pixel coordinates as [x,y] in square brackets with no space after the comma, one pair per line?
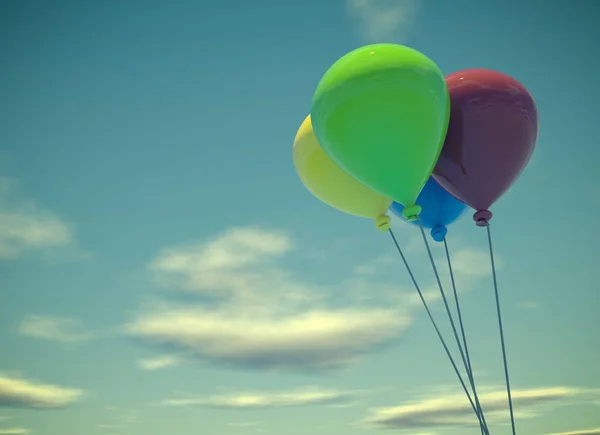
[386,127]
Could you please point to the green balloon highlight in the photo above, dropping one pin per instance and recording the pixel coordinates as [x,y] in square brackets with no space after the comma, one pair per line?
[381,112]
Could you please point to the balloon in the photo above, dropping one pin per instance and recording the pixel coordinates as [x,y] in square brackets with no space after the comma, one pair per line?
[329,183]
[440,209]
[381,113]
[492,133]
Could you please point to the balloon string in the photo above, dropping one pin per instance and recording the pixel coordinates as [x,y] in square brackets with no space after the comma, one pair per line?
[437,330]
[464,338]
[510,404]
[443,294]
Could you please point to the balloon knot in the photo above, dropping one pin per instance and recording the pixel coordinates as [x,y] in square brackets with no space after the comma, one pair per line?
[438,233]
[411,213]
[482,218]
[382,223]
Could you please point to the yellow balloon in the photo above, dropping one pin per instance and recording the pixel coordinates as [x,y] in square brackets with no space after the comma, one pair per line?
[331,184]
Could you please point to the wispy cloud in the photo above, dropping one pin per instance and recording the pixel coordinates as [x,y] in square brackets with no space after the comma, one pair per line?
[252,312]
[223,266]
[60,329]
[25,226]
[317,339]
[261,315]
[119,420]
[21,393]
[455,411]
[262,400]
[384,20]
[11,430]
[470,263]
[14,431]
[469,266]
[245,424]
[161,362]
[579,432]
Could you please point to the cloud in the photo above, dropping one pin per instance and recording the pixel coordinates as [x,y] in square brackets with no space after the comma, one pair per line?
[245,424]
[247,310]
[14,431]
[579,432]
[119,419]
[316,339]
[128,418]
[223,263]
[21,393]
[260,314]
[453,410]
[469,263]
[469,266]
[253,400]
[25,226]
[61,329]
[158,363]
[240,265]
[384,20]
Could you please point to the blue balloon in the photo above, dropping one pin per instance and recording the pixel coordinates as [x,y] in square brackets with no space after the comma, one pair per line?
[440,209]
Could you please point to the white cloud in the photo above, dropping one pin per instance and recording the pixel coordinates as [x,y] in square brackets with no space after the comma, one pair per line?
[119,419]
[26,226]
[579,432]
[21,393]
[261,400]
[61,329]
[227,266]
[161,362]
[315,339]
[130,417]
[11,431]
[469,266]
[14,431]
[469,262]
[260,314]
[29,228]
[384,20]
[245,424]
[454,410]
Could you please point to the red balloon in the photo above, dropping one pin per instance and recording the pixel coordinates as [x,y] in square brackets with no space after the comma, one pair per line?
[492,133]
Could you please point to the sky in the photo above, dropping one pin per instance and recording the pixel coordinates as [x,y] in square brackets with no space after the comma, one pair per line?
[163,269]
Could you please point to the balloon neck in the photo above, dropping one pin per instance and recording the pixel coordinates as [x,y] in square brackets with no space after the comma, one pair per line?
[438,233]
[411,213]
[482,218]
[382,223]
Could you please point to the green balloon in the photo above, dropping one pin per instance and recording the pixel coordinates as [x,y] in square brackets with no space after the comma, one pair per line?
[381,113]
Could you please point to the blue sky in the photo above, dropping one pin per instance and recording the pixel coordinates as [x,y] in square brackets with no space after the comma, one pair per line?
[163,270]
